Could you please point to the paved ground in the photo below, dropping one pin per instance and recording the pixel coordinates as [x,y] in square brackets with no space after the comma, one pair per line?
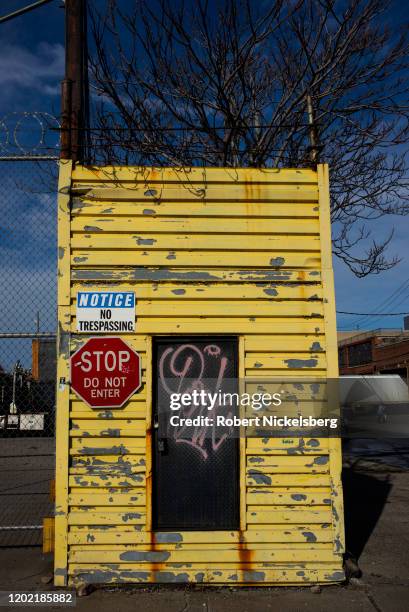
[377,517]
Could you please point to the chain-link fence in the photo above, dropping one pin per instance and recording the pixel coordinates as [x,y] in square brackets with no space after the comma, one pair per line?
[28,314]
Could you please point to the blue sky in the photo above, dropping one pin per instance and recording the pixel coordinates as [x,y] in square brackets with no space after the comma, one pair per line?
[31,67]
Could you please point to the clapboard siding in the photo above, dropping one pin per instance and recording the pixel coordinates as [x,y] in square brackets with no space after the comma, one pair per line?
[206,251]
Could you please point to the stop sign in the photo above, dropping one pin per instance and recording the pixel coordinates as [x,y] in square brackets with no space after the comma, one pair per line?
[105,372]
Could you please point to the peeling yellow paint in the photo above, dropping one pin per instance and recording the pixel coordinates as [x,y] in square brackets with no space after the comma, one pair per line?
[207,251]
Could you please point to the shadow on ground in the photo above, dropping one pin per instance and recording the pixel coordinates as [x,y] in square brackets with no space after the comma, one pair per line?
[365,497]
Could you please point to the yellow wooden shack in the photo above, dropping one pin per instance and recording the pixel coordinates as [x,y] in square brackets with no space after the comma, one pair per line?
[240,255]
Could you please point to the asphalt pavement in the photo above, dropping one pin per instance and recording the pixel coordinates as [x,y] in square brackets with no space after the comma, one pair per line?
[376,495]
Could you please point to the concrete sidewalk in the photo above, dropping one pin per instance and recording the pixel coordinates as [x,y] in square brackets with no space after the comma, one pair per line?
[377,518]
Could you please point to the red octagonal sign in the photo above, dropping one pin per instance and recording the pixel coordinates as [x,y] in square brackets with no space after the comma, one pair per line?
[105,372]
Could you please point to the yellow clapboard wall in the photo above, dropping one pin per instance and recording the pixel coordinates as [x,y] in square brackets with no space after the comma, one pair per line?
[207,251]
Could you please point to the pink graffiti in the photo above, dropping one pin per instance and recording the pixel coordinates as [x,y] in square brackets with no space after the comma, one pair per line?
[212,349]
[195,439]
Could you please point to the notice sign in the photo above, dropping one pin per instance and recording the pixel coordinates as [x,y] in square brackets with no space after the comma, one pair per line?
[105,311]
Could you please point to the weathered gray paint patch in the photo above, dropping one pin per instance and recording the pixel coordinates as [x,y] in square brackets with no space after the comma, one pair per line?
[295,451]
[130,515]
[150,193]
[298,497]
[61,251]
[277,261]
[141,576]
[171,577]
[112,433]
[321,460]
[96,577]
[315,387]
[267,275]
[259,477]
[63,342]
[148,211]
[309,536]
[272,292]
[179,291]
[338,544]
[258,364]
[80,259]
[301,363]
[113,450]
[316,346]
[171,255]
[78,204]
[92,228]
[145,241]
[134,477]
[155,275]
[168,538]
[253,576]
[154,556]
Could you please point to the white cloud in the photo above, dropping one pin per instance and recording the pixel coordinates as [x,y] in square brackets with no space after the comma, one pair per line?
[36,69]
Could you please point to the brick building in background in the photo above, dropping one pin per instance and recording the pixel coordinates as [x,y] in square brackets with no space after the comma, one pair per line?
[381,351]
[43,359]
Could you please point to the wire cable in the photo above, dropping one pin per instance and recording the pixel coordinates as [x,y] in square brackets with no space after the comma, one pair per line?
[388,302]
[380,314]
[23,10]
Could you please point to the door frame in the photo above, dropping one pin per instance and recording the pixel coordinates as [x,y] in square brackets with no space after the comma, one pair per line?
[150,339]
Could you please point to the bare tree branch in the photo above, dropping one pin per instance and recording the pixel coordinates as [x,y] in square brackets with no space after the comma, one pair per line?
[225,83]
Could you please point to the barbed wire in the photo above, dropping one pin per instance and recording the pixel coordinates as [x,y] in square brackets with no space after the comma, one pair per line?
[29,134]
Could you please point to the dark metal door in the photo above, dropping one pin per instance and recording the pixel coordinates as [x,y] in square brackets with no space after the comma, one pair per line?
[195,470]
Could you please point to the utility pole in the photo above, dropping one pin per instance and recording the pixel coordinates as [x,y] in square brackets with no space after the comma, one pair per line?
[74,87]
[314,139]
